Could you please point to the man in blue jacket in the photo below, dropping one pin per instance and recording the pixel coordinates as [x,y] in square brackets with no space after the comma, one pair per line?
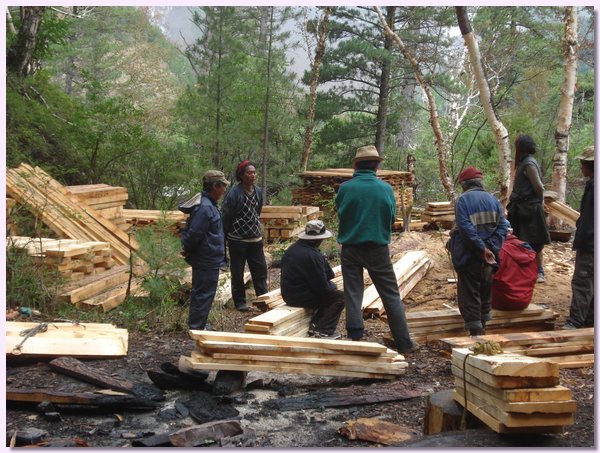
[581,313]
[475,242]
[203,243]
[366,209]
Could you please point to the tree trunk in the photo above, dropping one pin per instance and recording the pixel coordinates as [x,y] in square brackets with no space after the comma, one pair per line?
[565,109]
[217,156]
[10,23]
[267,108]
[20,55]
[433,116]
[384,84]
[500,132]
[314,82]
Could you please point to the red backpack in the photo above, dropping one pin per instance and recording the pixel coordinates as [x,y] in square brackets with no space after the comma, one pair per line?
[512,287]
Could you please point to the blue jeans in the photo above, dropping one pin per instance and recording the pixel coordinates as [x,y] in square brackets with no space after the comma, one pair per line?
[204,288]
[376,259]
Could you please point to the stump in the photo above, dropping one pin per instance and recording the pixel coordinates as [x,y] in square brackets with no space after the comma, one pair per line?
[443,414]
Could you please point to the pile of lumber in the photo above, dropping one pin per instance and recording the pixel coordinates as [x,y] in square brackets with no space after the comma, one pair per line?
[320,186]
[54,205]
[431,326]
[440,213]
[512,393]
[567,348]
[69,258]
[561,211]
[140,218]
[108,201]
[88,340]
[409,270]
[11,227]
[285,222]
[280,354]
[282,320]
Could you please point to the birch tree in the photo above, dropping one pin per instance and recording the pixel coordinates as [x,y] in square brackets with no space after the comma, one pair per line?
[565,110]
[440,141]
[322,29]
[20,56]
[485,96]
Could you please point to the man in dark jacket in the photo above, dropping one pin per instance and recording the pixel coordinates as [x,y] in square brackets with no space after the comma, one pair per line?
[581,313]
[306,281]
[475,242]
[241,211]
[366,208]
[203,245]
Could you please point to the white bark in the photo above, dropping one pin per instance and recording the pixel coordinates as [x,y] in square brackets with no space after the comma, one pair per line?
[565,109]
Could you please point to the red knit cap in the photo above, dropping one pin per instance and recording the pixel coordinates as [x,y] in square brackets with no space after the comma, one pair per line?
[240,169]
[470,173]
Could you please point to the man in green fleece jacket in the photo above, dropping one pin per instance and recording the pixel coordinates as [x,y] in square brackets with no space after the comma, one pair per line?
[366,209]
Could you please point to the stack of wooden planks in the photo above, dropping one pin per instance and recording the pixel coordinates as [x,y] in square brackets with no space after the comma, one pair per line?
[280,354]
[561,211]
[285,222]
[431,326]
[70,258]
[89,340]
[320,186]
[409,270]
[439,212]
[567,348]
[282,320]
[273,298]
[512,393]
[108,201]
[144,217]
[52,203]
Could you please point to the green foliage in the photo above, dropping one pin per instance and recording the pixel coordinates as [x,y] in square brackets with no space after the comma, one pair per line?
[29,283]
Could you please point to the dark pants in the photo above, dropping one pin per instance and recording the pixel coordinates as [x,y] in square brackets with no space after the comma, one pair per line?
[204,288]
[581,313]
[239,253]
[475,294]
[376,259]
[328,309]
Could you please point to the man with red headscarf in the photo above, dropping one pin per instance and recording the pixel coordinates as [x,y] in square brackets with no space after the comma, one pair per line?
[241,210]
[475,241]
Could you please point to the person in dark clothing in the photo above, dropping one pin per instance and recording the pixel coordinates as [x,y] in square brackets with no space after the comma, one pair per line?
[475,242]
[526,203]
[581,313]
[306,281]
[241,211]
[203,243]
[366,209]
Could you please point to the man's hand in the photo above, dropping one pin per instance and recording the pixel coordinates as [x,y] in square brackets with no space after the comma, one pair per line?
[488,256]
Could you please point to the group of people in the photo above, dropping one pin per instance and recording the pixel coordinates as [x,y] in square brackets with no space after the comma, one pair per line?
[366,209]
[481,228]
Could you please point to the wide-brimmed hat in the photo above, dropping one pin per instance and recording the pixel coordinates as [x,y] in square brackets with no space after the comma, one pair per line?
[368,152]
[588,154]
[315,229]
[214,176]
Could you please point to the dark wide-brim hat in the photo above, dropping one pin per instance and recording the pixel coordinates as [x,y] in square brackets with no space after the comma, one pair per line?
[368,152]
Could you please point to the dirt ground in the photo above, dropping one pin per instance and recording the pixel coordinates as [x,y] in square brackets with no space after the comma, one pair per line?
[428,372]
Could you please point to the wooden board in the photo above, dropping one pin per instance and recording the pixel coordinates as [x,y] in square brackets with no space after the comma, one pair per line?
[66,339]
[506,364]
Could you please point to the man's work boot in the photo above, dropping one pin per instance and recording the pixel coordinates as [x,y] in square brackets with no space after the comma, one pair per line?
[241,307]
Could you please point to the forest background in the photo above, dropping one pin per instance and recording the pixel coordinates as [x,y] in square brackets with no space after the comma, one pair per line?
[108,97]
